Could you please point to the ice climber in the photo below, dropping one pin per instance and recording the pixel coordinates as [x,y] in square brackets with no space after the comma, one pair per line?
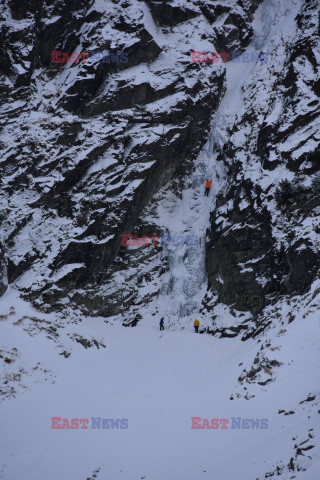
[208,184]
[196,326]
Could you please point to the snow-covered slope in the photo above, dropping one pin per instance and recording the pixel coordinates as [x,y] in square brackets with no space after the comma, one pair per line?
[61,367]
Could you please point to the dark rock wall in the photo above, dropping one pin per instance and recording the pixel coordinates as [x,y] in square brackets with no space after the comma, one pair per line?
[85,146]
[258,247]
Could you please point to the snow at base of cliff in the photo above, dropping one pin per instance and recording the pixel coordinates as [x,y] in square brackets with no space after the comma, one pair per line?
[83,368]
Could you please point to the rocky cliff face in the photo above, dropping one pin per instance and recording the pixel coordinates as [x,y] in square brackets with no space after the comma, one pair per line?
[85,146]
[264,242]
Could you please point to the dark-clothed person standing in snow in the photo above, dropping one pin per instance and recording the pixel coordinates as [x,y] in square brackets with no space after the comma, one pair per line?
[161,324]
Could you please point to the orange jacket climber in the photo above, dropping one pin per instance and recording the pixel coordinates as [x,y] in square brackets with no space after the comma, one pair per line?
[208,184]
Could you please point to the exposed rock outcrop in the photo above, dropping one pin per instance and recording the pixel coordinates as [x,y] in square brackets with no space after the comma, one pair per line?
[90,142]
[257,246]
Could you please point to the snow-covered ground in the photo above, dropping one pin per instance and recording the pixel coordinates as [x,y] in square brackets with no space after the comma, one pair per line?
[157,382]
